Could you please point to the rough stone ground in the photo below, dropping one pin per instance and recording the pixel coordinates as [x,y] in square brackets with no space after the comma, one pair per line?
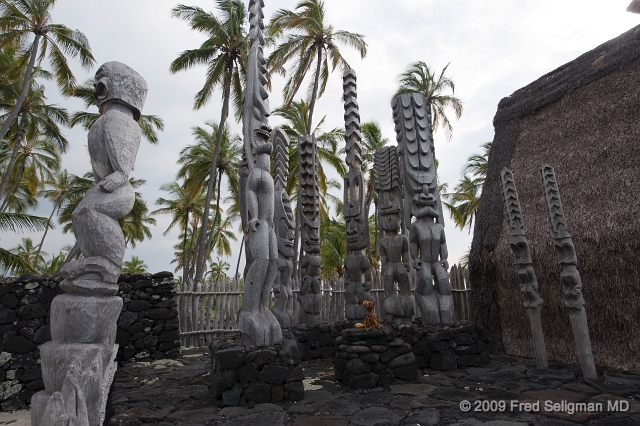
[175,392]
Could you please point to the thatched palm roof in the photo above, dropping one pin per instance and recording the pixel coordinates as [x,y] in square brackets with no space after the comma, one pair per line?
[584,120]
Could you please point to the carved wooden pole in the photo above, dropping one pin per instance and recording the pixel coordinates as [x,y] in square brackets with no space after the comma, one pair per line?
[256,321]
[356,263]
[522,258]
[427,241]
[394,247]
[284,224]
[309,296]
[570,276]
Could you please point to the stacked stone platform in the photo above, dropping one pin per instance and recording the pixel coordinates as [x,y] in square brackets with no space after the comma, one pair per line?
[370,358]
[247,376]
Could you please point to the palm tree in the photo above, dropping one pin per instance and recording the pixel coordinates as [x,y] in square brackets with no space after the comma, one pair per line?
[182,204]
[420,79]
[464,201]
[308,37]
[18,222]
[18,19]
[36,119]
[37,161]
[51,266]
[221,236]
[149,124]
[133,266]
[33,259]
[195,160]
[333,248]
[224,52]
[219,269]
[297,116]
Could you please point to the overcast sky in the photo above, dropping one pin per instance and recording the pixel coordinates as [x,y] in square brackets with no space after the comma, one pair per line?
[493,47]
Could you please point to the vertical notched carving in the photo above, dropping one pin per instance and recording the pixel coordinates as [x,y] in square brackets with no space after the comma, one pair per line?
[427,242]
[394,247]
[356,263]
[309,296]
[570,277]
[522,258]
[256,321]
[284,224]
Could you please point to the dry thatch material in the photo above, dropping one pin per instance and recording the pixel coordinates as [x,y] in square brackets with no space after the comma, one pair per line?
[583,119]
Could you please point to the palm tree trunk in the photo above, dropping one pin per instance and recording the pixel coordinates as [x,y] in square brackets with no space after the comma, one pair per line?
[202,255]
[23,95]
[211,243]
[315,89]
[46,229]
[14,156]
[185,268]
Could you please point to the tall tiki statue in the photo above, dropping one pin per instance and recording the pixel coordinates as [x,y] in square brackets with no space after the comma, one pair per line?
[570,277]
[427,242]
[356,262]
[522,258]
[78,363]
[256,321]
[284,224]
[309,296]
[394,247]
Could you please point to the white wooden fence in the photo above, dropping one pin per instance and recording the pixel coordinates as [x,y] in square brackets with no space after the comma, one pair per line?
[212,309]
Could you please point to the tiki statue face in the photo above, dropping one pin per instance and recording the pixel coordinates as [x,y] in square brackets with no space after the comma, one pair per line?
[390,222]
[354,210]
[424,203]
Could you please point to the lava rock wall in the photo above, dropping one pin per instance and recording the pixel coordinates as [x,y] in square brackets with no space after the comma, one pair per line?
[148,327]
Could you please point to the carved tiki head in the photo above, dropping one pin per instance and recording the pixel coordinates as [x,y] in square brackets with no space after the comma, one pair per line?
[354,210]
[116,82]
[390,222]
[424,203]
[310,235]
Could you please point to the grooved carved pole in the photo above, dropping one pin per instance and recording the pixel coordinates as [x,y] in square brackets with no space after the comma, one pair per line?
[394,246]
[570,277]
[356,262]
[284,224]
[309,296]
[256,321]
[427,241]
[522,258]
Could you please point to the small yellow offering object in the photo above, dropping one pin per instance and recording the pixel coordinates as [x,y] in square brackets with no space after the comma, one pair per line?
[359,325]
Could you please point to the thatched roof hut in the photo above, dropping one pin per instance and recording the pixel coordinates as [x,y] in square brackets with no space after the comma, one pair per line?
[583,119]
